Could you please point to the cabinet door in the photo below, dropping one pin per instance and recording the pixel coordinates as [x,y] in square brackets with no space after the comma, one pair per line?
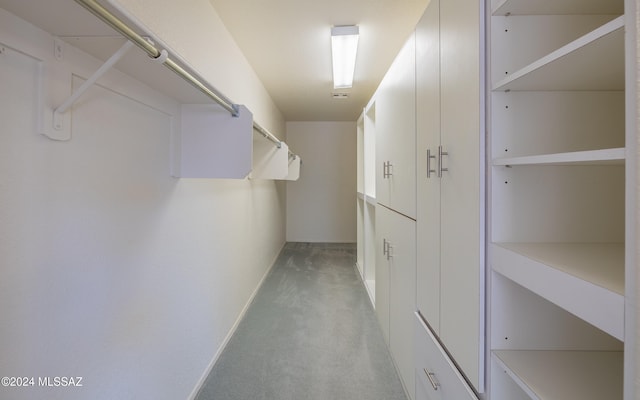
[400,260]
[402,278]
[382,269]
[396,135]
[462,201]
[384,124]
[428,183]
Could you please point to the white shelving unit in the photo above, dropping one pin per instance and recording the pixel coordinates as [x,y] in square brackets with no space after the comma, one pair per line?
[558,165]
[360,194]
[563,7]
[587,375]
[366,199]
[590,157]
[595,61]
[587,279]
[209,142]
[370,198]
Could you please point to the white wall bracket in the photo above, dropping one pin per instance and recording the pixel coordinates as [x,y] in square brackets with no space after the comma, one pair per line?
[58,119]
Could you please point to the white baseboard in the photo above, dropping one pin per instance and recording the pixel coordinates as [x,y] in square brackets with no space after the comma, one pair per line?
[207,371]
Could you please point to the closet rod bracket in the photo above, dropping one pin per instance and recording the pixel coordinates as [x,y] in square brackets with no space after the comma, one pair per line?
[235,110]
[64,107]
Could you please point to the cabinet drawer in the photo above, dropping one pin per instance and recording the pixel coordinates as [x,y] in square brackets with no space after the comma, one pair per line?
[436,376]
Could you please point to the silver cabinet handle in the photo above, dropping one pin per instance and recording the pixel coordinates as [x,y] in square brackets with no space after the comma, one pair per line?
[387,170]
[432,379]
[429,157]
[386,248]
[441,162]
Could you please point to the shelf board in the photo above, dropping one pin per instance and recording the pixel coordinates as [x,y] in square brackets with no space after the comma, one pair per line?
[371,200]
[586,279]
[557,7]
[79,28]
[139,66]
[565,375]
[599,157]
[367,198]
[594,61]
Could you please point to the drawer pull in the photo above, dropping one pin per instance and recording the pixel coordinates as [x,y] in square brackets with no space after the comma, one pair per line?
[432,379]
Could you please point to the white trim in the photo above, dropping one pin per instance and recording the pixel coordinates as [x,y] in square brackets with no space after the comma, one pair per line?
[232,331]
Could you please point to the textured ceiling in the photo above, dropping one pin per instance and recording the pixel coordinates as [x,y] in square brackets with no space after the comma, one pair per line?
[288,44]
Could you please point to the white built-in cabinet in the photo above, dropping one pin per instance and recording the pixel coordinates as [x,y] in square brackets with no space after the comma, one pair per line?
[430,200]
[428,165]
[437,377]
[450,176]
[395,211]
[395,134]
[366,199]
[560,168]
[545,198]
[207,140]
[395,287]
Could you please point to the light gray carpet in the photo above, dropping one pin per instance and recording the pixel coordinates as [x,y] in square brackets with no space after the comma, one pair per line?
[310,333]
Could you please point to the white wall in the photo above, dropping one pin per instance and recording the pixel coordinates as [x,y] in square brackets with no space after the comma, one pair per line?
[321,205]
[110,269]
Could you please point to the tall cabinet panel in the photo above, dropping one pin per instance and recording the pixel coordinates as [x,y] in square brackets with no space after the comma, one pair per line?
[395,134]
[397,254]
[360,249]
[462,201]
[560,161]
[382,270]
[366,198]
[395,212]
[450,199]
[428,183]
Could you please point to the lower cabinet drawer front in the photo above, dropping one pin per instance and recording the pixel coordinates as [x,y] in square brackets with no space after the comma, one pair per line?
[424,390]
[437,378]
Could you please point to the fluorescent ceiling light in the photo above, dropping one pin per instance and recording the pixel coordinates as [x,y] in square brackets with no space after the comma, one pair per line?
[344,45]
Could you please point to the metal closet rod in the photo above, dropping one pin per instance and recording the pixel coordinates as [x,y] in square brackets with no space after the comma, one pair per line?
[106,16]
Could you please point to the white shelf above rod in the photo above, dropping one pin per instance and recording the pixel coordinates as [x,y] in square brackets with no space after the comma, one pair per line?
[272,137]
[113,21]
[107,17]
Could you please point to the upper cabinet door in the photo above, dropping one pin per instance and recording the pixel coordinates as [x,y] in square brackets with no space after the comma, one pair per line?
[384,122]
[462,200]
[428,182]
[396,134]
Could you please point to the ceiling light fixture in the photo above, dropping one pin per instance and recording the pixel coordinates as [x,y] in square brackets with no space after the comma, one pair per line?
[344,45]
